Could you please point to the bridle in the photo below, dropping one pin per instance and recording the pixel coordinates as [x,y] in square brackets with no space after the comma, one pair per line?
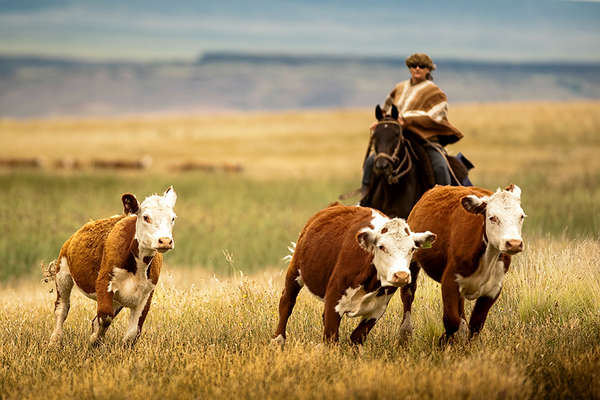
[403,162]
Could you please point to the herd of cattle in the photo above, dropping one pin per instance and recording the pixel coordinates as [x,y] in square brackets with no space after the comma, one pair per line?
[352,258]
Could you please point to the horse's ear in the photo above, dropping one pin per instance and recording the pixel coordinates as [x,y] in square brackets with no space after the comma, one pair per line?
[378,113]
[394,112]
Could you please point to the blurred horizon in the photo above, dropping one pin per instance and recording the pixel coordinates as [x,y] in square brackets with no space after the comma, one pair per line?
[32,87]
[107,57]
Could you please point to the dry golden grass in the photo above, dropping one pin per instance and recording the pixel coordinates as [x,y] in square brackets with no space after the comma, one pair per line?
[210,338]
[499,138]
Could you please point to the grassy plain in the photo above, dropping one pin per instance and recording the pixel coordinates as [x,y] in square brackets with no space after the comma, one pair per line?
[208,336]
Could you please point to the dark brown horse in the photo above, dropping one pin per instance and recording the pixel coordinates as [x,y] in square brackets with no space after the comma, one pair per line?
[402,171]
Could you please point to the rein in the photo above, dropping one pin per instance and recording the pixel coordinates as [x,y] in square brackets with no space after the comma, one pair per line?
[404,165]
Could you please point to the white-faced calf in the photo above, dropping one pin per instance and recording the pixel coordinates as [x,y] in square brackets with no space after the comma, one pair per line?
[116,261]
[354,259]
[478,231]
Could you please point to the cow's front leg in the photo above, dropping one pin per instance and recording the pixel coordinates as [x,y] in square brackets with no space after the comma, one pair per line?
[99,326]
[408,296]
[451,299]
[359,334]
[105,313]
[136,320]
[479,314]
[331,320]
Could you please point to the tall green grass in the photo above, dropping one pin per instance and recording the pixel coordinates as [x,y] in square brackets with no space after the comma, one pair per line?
[252,221]
[231,222]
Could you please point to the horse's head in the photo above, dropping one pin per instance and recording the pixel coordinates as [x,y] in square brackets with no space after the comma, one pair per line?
[387,141]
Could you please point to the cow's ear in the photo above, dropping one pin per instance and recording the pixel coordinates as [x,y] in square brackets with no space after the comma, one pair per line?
[394,112]
[130,204]
[378,113]
[366,238]
[170,196]
[424,240]
[474,204]
[514,189]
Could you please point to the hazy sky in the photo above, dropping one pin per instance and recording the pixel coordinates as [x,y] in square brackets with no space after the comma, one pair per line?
[535,30]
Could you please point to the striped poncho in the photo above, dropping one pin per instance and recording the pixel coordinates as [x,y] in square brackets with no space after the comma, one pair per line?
[424,107]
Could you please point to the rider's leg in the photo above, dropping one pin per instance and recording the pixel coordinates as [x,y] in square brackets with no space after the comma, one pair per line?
[465,161]
[367,173]
[439,165]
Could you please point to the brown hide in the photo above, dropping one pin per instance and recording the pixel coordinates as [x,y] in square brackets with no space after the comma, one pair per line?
[98,247]
[328,254]
[459,232]
[84,251]
[457,250]
[329,260]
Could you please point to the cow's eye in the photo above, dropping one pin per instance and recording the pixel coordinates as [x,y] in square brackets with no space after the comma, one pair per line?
[494,219]
[147,219]
[523,217]
[381,247]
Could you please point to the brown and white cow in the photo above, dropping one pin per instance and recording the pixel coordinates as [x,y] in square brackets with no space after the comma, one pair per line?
[116,261]
[353,259]
[477,233]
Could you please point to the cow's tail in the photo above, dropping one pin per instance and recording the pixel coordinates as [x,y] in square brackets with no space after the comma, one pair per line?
[49,271]
[291,249]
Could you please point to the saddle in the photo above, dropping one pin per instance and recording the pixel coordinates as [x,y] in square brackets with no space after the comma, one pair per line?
[459,165]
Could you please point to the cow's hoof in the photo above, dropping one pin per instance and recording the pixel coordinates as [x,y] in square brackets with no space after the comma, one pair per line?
[130,338]
[278,341]
[462,335]
[95,340]
[55,341]
[445,340]
[405,334]
[128,343]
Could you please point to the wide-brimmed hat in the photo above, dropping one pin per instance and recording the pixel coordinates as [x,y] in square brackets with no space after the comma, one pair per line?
[420,59]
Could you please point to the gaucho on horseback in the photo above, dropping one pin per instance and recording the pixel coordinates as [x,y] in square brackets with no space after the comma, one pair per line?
[406,155]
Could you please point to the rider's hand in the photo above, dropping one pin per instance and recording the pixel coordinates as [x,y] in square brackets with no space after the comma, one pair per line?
[401,121]
[373,125]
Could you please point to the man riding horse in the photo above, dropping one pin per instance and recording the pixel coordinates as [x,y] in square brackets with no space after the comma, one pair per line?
[422,108]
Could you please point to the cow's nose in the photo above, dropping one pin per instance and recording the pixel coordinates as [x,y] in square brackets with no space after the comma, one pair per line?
[514,245]
[401,278]
[165,242]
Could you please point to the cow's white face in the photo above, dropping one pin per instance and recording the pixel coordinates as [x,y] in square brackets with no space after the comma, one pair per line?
[155,220]
[503,217]
[392,244]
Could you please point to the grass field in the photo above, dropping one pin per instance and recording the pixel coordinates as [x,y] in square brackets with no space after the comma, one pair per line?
[208,336]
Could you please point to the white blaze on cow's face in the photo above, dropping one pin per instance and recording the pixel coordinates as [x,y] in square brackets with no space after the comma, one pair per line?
[155,220]
[392,244]
[503,217]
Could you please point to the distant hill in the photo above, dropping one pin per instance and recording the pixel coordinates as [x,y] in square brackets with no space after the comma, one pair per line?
[37,87]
